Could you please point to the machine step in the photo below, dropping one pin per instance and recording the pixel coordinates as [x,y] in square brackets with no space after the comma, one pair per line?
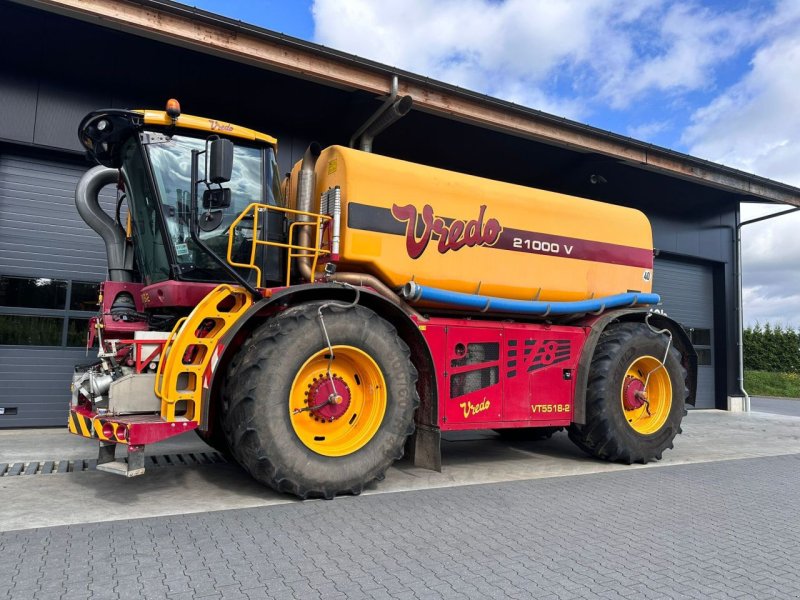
[130,467]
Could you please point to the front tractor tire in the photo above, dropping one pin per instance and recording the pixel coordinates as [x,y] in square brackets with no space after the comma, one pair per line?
[624,421]
[297,428]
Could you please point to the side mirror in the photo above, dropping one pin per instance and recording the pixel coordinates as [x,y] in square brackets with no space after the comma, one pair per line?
[216,198]
[220,161]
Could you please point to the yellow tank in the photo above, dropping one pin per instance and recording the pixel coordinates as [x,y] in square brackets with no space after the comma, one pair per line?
[403,221]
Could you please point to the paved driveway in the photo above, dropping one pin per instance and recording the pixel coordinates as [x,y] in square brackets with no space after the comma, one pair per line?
[717,518]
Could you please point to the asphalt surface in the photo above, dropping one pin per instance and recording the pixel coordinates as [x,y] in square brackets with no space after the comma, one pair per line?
[726,529]
[776,406]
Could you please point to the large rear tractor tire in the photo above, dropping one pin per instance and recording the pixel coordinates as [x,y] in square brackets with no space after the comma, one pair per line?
[302,423]
[626,422]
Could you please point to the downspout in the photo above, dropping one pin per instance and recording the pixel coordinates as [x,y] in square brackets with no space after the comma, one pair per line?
[88,205]
[739,296]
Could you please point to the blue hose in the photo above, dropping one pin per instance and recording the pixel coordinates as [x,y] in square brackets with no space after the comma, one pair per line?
[414,292]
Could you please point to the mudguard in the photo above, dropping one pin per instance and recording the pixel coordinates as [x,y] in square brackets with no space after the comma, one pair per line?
[427,413]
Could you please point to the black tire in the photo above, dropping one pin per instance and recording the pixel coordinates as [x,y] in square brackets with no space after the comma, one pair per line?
[216,439]
[527,434]
[607,433]
[255,408]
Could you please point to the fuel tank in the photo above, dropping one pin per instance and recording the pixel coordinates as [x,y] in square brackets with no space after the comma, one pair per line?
[403,221]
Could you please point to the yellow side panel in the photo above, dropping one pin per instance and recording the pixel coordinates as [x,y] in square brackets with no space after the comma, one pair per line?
[404,221]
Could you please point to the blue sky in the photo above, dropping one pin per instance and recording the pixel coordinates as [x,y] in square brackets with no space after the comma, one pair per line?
[718,79]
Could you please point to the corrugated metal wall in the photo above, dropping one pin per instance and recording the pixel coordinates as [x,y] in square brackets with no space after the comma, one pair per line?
[41,233]
[42,236]
[687,293]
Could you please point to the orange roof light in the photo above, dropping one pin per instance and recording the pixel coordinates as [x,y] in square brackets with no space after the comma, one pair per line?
[173,108]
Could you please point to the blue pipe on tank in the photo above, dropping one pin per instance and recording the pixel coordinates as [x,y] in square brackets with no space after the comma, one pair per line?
[414,292]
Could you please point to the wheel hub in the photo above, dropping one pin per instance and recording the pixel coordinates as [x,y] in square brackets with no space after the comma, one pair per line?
[328,399]
[633,395]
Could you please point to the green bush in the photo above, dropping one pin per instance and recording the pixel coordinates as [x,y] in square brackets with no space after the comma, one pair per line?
[764,383]
[772,348]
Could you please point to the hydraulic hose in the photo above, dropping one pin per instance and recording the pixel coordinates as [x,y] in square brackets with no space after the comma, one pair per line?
[414,292]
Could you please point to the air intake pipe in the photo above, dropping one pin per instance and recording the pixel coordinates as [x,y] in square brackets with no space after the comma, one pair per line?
[306,184]
[397,110]
[88,204]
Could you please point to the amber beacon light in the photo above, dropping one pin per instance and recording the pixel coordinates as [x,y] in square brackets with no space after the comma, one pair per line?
[173,108]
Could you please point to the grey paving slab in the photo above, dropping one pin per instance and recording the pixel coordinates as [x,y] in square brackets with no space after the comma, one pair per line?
[724,529]
[469,458]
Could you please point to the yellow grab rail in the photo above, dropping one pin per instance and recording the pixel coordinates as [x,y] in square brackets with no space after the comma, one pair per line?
[315,221]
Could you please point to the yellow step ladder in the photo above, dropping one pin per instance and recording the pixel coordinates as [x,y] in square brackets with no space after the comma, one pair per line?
[190,347]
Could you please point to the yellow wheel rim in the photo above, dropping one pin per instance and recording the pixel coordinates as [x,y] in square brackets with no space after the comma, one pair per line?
[646,409]
[337,415]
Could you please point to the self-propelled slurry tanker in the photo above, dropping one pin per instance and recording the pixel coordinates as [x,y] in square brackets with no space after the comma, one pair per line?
[314,327]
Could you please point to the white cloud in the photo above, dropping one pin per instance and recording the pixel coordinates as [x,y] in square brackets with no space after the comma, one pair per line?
[755,126]
[568,57]
[771,273]
[579,58]
[646,131]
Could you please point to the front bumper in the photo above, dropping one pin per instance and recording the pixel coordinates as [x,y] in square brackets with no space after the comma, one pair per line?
[131,430]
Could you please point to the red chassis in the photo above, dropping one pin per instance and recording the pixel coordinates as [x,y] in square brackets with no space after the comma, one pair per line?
[492,375]
[488,374]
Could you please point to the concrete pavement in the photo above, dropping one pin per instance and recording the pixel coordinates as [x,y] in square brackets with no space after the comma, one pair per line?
[469,458]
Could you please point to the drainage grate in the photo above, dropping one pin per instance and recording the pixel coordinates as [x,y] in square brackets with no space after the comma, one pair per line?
[49,467]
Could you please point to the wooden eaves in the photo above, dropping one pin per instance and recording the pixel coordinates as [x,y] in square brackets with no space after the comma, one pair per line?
[202,31]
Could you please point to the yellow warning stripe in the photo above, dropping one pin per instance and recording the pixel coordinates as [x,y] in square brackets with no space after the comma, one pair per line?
[80,425]
[71,424]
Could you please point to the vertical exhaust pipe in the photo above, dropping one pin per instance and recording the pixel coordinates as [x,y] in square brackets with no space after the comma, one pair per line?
[88,204]
[397,110]
[306,184]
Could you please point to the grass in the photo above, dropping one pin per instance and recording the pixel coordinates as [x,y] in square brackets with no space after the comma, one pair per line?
[765,383]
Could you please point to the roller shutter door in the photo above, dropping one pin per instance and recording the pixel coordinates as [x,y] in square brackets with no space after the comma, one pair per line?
[50,263]
[687,294]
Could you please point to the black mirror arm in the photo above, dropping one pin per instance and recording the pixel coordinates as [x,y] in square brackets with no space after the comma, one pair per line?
[193,229]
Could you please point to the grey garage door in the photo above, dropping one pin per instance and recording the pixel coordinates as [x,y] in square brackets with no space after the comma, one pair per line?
[687,294]
[50,263]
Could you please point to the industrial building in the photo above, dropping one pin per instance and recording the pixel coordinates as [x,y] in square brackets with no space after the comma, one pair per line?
[64,58]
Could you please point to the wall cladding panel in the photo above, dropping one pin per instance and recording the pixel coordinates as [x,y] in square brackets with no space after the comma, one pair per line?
[60,109]
[18,101]
[41,233]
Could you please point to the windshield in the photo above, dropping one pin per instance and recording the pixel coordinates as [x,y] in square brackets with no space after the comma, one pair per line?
[251,182]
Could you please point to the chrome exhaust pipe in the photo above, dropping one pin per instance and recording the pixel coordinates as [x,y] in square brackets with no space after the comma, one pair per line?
[306,184]
[88,204]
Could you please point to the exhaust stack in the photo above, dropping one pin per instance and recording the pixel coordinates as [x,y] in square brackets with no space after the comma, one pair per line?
[306,184]
[88,204]
[397,110]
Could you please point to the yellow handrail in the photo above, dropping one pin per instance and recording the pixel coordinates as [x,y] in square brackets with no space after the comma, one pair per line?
[158,384]
[294,250]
